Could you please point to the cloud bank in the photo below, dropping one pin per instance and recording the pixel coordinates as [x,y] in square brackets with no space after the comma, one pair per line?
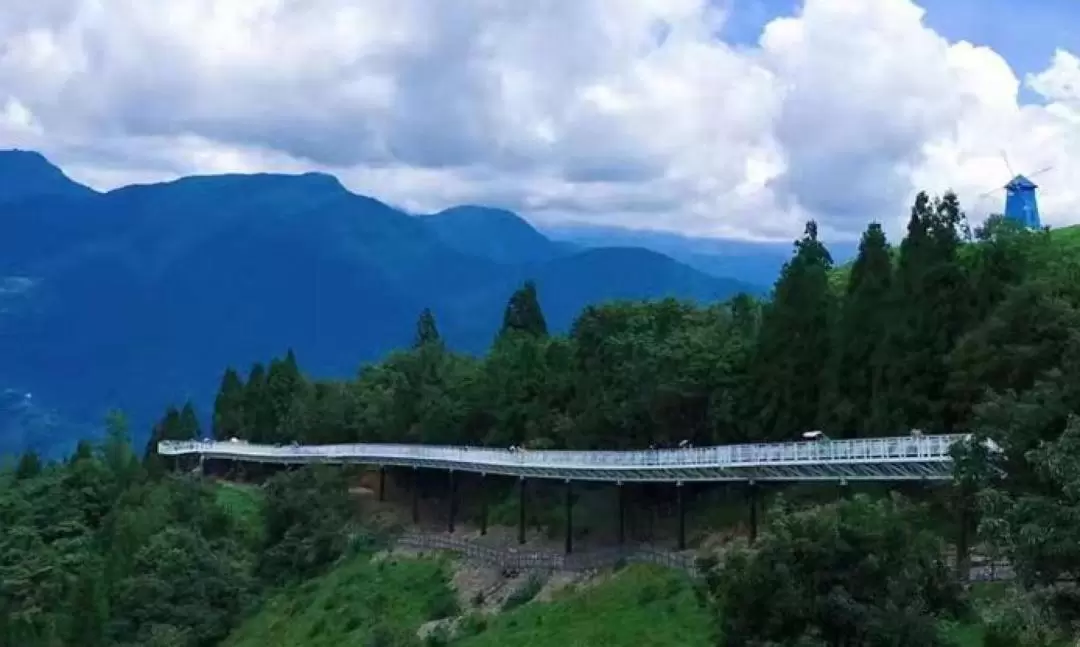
[635,113]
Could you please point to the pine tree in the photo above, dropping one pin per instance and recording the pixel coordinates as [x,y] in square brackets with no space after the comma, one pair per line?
[859,348]
[427,333]
[284,384]
[117,449]
[90,611]
[793,346]
[933,306]
[523,313]
[229,407]
[256,411]
[168,428]
[83,451]
[29,466]
[189,427]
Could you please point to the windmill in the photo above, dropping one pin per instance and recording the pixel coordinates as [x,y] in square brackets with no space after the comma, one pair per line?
[1021,204]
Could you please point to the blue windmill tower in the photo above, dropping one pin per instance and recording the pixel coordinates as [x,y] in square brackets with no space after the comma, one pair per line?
[1021,204]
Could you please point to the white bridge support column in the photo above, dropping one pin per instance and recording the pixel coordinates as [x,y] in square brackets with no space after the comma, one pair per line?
[752,499]
[522,500]
[622,512]
[681,504]
[569,541]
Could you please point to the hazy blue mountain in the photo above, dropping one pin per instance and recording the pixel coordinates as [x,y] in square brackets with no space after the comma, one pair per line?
[141,296]
[751,261]
[496,234]
[568,283]
[28,174]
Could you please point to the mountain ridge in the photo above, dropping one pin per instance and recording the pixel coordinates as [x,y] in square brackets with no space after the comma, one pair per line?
[130,297]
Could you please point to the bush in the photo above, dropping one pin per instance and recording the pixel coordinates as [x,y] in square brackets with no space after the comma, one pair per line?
[525,594]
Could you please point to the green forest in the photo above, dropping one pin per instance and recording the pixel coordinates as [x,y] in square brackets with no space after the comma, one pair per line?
[951,330]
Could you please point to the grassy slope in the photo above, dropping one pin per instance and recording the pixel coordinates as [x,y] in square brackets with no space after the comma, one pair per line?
[364,603]
[1065,241]
[244,505]
[640,606]
[360,602]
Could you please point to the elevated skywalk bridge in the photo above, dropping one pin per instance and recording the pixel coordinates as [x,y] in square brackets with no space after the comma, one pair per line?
[901,458]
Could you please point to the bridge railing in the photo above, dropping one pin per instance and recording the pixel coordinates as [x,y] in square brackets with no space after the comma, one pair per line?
[902,448]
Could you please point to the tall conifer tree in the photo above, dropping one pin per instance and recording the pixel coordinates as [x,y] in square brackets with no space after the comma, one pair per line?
[794,343]
[859,349]
[523,313]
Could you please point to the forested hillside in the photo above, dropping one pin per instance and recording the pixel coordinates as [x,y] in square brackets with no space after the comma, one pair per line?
[916,339]
[943,334]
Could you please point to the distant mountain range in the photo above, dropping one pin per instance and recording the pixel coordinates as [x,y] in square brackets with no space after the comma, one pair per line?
[140,296]
[751,261]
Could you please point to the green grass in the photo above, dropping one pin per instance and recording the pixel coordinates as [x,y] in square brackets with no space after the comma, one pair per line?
[971,632]
[641,606]
[244,504]
[964,634]
[360,602]
[1064,242]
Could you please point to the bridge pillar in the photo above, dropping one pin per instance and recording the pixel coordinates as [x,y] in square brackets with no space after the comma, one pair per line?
[963,546]
[845,489]
[752,495]
[483,504]
[382,483]
[521,509]
[453,503]
[682,514]
[569,542]
[415,495]
[622,512]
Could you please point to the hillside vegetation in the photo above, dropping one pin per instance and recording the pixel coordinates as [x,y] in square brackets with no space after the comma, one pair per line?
[359,602]
[641,605]
[954,336]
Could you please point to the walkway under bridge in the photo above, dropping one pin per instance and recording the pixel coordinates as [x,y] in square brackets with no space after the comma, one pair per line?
[895,459]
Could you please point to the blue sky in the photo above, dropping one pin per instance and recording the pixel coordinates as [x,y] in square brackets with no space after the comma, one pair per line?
[1025,32]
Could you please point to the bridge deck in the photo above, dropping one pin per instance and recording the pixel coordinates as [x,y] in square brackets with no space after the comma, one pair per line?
[902,458]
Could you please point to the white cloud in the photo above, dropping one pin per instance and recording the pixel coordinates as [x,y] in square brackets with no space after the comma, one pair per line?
[629,112]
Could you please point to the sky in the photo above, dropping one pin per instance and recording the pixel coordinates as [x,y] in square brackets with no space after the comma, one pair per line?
[727,118]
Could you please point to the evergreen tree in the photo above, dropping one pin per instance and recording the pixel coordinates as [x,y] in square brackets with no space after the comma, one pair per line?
[793,345]
[284,384]
[859,349]
[229,407]
[168,428]
[427,333]
[523,313]
[116,450]
[189,427]
[257,413]
[83,451]
[935,298]
[89,608]
[29,466]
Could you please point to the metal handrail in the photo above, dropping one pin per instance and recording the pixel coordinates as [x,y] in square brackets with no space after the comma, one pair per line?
[895,449]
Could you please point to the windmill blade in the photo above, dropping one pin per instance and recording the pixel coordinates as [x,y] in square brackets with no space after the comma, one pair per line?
[1041,171]
[982,196]
[1007,165]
